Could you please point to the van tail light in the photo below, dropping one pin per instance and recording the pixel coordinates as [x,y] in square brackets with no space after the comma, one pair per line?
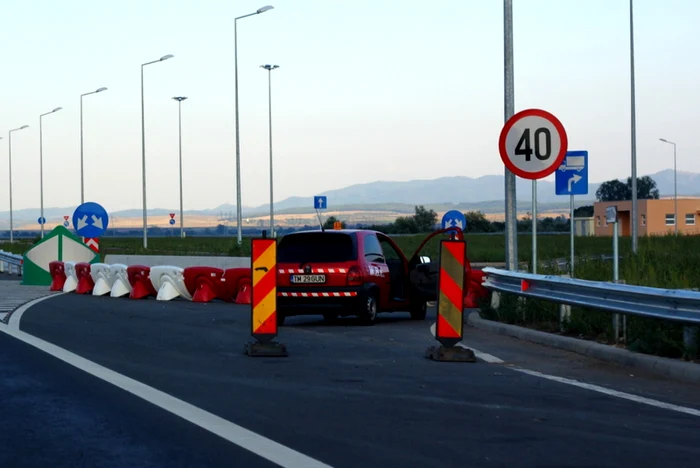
[354,276]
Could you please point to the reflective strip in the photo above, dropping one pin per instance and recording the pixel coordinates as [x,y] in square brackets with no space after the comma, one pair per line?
[317,294]
[313,271]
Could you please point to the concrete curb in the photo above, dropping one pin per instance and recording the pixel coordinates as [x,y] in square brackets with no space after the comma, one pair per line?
[681,370]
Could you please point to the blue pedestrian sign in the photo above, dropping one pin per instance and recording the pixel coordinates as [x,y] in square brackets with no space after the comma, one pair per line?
[572,176]
[454,218]
[90,220]
[41,220]
[172,221]
[320,202]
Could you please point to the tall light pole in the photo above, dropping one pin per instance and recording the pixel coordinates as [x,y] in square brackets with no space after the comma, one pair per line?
[41,168]
[635,221]
[269,69]
[675,185]
[9,145]
[143,151]
[239,211]
[511,210]
[82,184]
[179,100]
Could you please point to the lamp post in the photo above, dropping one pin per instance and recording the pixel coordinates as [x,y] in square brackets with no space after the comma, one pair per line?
[179,100]
[675,185]
[82,184]
[9,134]
[143,150]
[269,69]
[511,209]
[239,212]
[41,168]
[635,220]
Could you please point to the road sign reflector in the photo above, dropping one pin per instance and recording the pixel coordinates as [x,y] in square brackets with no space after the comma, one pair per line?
[450,302]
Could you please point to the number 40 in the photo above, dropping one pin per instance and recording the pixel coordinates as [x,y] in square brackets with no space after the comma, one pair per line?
[542,152]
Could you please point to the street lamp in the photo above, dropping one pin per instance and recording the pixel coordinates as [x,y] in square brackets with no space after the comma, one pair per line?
[269,69]
[41,169]
[143,150]
[675,185]
[179,100]
[239,212]
[635,220]
[82,185]
[9,134]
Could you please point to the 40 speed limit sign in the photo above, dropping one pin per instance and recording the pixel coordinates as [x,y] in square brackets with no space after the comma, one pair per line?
[533,144]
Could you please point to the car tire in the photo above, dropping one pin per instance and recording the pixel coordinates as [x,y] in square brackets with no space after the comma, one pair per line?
[370,309]
[418,309]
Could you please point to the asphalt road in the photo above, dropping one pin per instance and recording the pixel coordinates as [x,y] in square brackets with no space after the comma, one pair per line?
[347,395]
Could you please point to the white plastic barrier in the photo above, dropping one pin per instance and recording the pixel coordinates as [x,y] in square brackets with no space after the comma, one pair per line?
[169,281]
[120,280]
[71,277]
[102,279]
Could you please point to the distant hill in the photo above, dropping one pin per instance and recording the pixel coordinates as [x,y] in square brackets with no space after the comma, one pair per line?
[484,193]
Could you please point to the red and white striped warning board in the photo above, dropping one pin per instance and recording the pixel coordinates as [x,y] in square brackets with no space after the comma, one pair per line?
[93,243]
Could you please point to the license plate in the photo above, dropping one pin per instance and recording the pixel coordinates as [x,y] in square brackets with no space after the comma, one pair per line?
[308,279]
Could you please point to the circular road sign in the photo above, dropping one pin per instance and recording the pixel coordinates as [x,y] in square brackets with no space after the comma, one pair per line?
[533,144]
[172,221]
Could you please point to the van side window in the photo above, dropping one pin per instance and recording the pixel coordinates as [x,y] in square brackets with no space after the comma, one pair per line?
[373,251]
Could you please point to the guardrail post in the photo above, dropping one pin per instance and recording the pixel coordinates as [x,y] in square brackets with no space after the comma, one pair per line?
[449,327]
[616,322]
[690,341]
[564,311]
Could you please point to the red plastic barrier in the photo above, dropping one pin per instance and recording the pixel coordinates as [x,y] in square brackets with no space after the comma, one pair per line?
[140,281]
[232,281]
[245,288]
[85,283]
[58,275]
[204,283]
[475,290]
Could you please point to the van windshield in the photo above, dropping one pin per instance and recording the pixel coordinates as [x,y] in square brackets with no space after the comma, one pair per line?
[317,247]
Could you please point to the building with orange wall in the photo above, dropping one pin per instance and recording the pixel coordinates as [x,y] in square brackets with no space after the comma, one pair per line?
[656,217]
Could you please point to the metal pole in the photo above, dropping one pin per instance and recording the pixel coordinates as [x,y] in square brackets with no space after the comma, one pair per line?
[534,226]
[143,165]
[41,176]
[269,69]
[239,213]
[10,174]
[675,190]
[511,214]
[616,278]
[571,221]
[634,136]
[179,128]
[82,180]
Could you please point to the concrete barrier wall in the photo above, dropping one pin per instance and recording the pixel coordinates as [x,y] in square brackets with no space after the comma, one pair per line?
[174,260]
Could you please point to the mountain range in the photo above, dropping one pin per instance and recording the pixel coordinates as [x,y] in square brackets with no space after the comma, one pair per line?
[485,193]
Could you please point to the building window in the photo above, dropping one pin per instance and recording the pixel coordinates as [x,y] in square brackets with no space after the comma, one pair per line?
[670,220]
[690,219]
[597,221]
[644,220]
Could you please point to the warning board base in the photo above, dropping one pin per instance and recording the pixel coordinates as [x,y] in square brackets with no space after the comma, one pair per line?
[453,354]
[268,349]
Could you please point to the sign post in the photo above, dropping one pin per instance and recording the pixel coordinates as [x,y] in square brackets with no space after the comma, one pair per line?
[611,217]
[572,179]
[532,145]
[449,328]
[320,203]
[263,317]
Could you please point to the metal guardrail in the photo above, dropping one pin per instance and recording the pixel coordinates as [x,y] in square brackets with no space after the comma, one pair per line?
[10,263]
[668,304]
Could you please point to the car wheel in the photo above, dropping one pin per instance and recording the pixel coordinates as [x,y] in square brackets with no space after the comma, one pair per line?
[370,309]
[418,310]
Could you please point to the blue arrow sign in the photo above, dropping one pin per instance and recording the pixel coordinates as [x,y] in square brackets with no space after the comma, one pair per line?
[320,202]
[90,220]
[66,223]
[572,176]
[454,218]
[41,220]
[172,221]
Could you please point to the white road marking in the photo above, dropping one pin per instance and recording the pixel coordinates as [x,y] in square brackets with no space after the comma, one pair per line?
[595,388]
[240,436]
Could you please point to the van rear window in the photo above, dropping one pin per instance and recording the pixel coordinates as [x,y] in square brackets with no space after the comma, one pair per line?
[317,247]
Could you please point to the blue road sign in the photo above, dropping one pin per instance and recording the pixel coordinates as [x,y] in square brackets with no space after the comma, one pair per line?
[172,221]
[572,176]
[41,220]
[454,218]
[90,220]
[66,223]
[320,202]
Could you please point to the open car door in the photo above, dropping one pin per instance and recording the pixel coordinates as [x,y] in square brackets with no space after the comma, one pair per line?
[423,272]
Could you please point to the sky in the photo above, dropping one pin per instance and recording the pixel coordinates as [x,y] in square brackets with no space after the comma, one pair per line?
[367,90]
